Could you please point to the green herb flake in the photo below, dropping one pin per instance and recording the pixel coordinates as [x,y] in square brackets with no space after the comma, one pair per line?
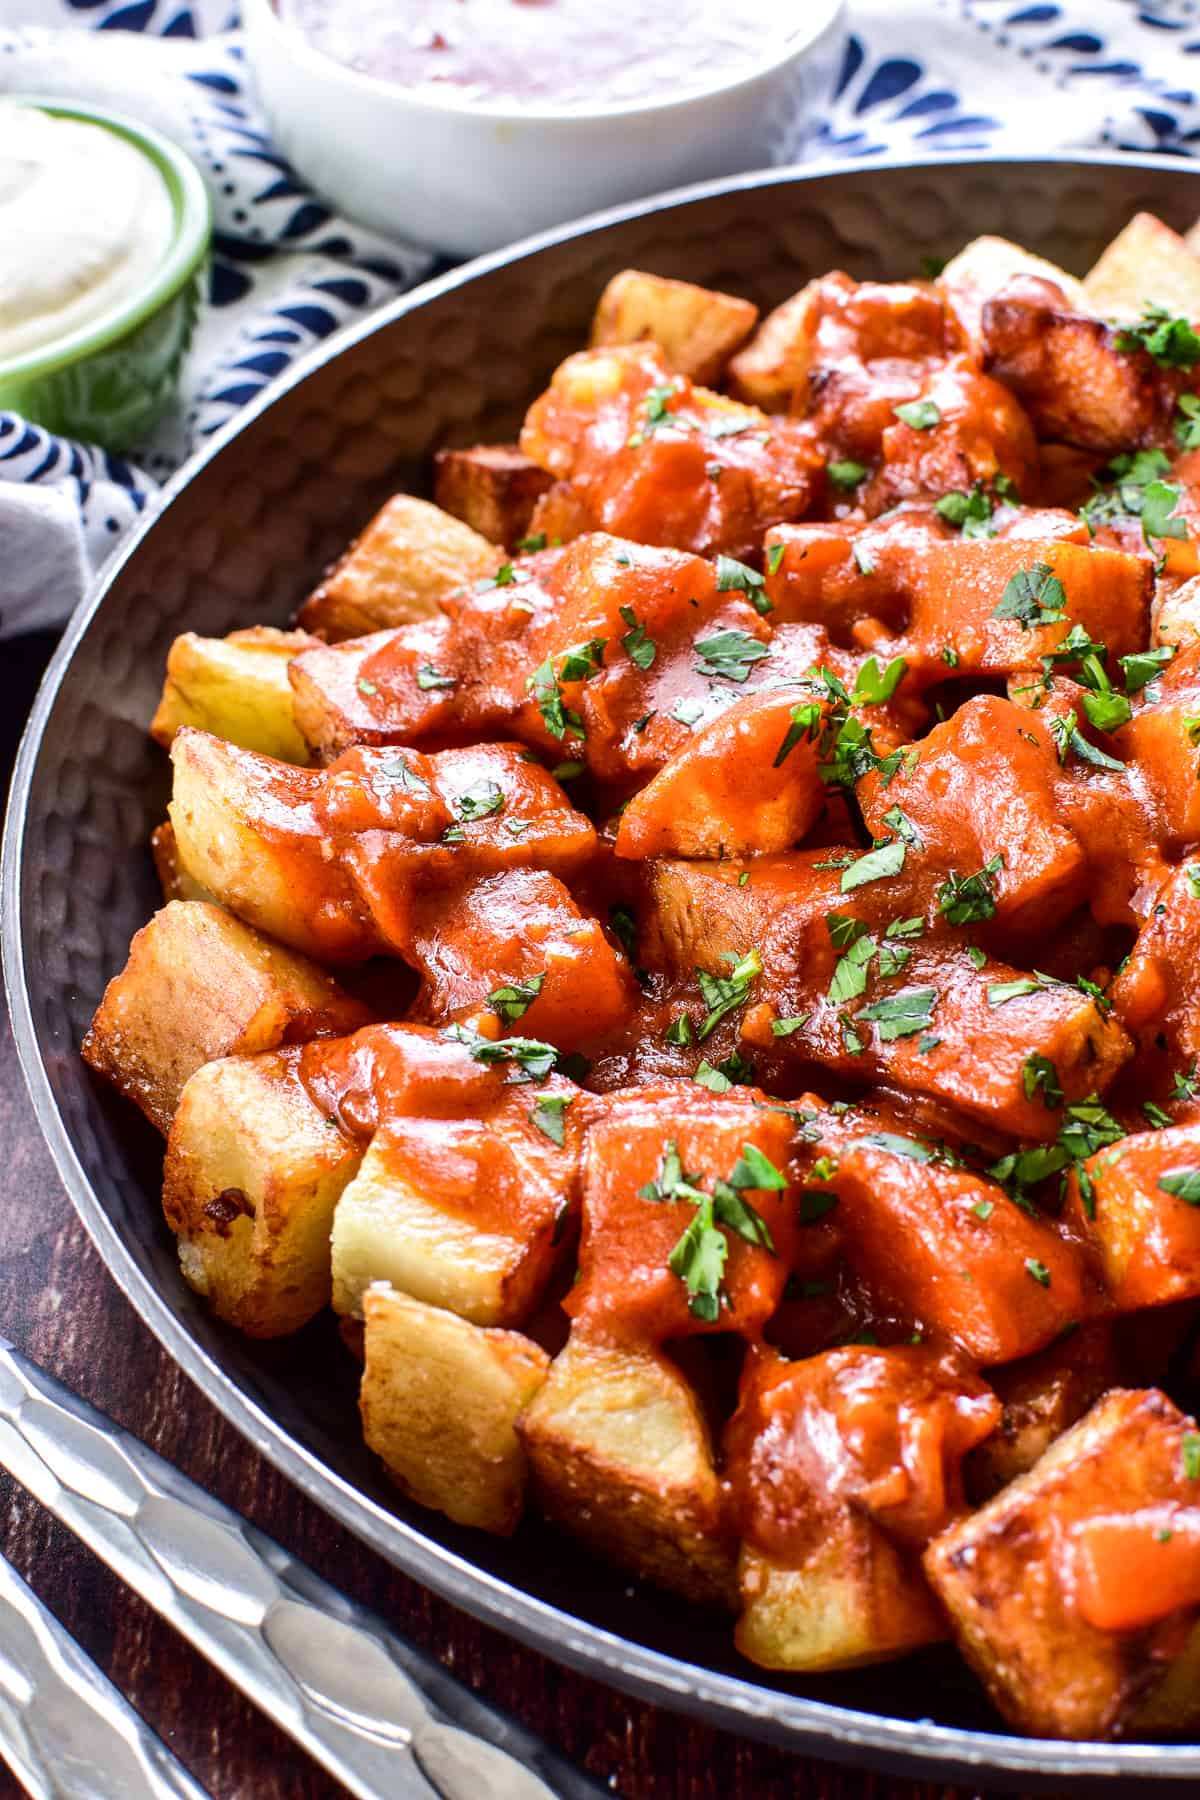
[1159,518]
[983,1209]
[902,1015]
[641,649]
[1001,992]
[679,1031]
[548,1113]
[1034,597]
[921,415]
[528,545]
[366,688]
[1039,1076]
[515,997]
[724,993]
[1170,341]
[1143,665]
[879,864]
[1038,1271]
[775,556]
[815,1204]
[698,1259]
[964,898]
[1190,1449]
[896,1145]
[846,474]
[738,577]
[873,687]
[782,1028]
[1183,1183]
[729,655]
[429,678]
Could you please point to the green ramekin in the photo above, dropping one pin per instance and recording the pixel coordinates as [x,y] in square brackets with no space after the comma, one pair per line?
[109,382]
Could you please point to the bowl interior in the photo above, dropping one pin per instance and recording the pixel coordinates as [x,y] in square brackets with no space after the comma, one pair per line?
[241,540]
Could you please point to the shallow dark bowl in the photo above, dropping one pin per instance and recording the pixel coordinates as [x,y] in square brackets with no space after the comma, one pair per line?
[242,535]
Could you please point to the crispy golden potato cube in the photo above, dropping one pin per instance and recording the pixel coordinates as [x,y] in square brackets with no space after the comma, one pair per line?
[173,878]
[237,688]
[621,1457]
[407,558]
[492,487]
[253,1172]
[987,264]
[200,985]
[1175,614]
[440,1400]
[856,1600]
[1147,264]
[462,1213]
[1042,1396]
[778,357]
[698,328]
[1023,1585]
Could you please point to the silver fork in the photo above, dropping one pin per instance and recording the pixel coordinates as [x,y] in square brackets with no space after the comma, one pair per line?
[382,1717]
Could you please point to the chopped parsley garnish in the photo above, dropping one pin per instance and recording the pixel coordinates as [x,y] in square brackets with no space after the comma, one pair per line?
[1183,1183]
[1039,1076]
[688,712]
[1001,992]
[1187,426]
[873,687]
[1190,1452]
[623,926]
[782,1028]
[568,771]
[775,556]
[505,576]
[904,1014]
[1186,1084]
[1068,737]
[862,559]
[1170,341]
[729,655]
[922,415]
[404,775]
[806,723]
[547,1115]
[897,820]
[734,576]
[1159,518]
[581,661]
[1086,1128]
[558,719]
[896,1145]
[366,688]
[698,1259]
[1143,665]
[846,474]
[1155,1117]
[964,898]
[973,513]
[724,993]
[1127,477]
[876,865]
[529,544]
[1034,597]
[480,801]
[428,677]
[533,1058]
[850,972]
[515,997]
[641,649]
[1038,1270]
[679,1031]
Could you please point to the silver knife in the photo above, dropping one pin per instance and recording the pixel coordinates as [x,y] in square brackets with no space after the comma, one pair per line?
[65,1730]
[329,1672]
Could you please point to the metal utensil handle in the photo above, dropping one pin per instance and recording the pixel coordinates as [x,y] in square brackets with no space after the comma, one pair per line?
[65,1731]
[330,1673]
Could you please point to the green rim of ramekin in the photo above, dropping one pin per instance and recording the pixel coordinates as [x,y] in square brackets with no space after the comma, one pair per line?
[189,241]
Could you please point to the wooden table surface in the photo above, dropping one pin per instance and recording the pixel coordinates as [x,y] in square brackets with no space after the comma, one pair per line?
[62,1307]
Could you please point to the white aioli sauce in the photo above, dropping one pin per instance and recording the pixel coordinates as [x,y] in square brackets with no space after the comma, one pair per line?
[85,221]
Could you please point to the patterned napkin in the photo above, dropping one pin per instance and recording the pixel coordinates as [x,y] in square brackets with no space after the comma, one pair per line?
[917,77]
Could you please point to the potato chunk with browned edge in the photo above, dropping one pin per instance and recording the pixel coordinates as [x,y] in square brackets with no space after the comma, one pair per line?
[621,1455]
[697,328]
[237,687]
[440,1400]
[199,985]
[1075,1593]
[841,1467]
[493,488]
[409,556]
[252,1174]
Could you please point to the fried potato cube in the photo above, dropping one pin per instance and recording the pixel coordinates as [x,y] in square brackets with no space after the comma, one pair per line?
[252,1174]
[843,1466]
[493,488]
[409,556]
[1078,386]
[621,1457]
[235,687]
[173,878]
[200,985]
[440,1400]
[1068,1593]
[986,265]
[1147,264]
[776,361]
[519,936]
[733,790]
[950,1247]
[1161,739]
[697,328]
[1176,614]
[462,1213]
[1042,1396]
[1138,1205]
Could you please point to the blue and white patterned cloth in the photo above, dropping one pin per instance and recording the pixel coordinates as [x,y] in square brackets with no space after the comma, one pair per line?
[917,77]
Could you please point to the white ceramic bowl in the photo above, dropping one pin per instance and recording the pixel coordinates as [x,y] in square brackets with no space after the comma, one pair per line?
[463,176]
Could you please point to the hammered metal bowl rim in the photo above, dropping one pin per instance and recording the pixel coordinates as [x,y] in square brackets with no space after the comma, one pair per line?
[788,1719]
